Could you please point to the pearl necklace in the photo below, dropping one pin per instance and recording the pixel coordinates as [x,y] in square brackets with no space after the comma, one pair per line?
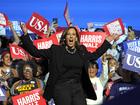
[70,52]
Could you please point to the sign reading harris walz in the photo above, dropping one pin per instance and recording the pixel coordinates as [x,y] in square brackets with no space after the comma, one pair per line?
[132,61]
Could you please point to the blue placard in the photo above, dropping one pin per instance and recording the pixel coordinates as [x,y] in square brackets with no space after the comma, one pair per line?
[132,45]
[132,61]
[99,61]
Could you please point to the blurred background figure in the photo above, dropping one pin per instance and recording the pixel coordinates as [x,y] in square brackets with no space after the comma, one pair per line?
[28,81]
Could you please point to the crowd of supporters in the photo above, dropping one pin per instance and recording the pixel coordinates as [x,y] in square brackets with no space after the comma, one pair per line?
[19,76]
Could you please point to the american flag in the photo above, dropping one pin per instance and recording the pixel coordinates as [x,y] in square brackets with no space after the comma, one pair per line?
[66,14]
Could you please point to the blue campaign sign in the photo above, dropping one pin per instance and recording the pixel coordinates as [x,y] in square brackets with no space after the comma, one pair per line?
[99,61]
[16,26]
[132,45]
[132,61]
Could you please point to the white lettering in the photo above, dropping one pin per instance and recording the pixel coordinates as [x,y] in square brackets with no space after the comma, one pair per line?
[129,58]
[36,95]
[91,38]
[36,103]
[31,99]
[137,64]
[91,45]
[32,20]
[19,101]
[39,25]
[44,29]
[44,45]
[27,99]
[15,51]
[18,51]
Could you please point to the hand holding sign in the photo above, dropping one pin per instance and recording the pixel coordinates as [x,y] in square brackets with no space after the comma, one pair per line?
[38,25]
[18,52]
[92,40]
[115,27]
[46,43]
[112,37]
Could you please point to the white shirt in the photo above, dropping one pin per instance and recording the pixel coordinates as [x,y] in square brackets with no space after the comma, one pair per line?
[97,85]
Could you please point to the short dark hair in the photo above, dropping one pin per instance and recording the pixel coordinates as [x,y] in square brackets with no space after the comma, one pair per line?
[92,63]
[99,30]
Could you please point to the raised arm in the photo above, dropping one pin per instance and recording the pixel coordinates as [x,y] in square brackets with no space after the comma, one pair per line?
[104,75]
[15,35]
[29,47]
[103,48]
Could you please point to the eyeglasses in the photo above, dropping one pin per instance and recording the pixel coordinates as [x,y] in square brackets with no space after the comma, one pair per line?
[27,70]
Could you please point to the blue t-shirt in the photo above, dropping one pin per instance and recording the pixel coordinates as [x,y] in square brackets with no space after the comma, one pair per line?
[120,88]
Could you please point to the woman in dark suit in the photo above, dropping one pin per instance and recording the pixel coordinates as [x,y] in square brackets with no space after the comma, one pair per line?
[66,63]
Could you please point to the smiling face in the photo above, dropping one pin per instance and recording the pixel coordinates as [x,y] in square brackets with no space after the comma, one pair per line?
[27,72]
[6,59]
[113,64]
[71,38]
[92,71]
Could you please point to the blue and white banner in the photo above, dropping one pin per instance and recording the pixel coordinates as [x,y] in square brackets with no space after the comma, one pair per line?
[132,61]
[132,45]
[17,28]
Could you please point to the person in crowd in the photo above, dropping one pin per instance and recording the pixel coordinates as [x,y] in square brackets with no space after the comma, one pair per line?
[13,77]
[90,27]
[120,88]
[66,62]
[97,83]
[6,62]
[129,98]
[28,81]
[42,68]
[4,42]
[15,35]
[16,72]
[131,34]
[5,73]
[113,75]
[128,81]
[114,52]
[113,66]
[99,30]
